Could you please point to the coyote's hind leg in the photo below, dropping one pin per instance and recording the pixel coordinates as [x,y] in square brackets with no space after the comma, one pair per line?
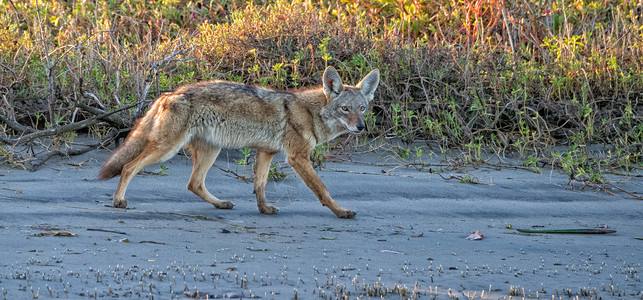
[152,153]
[203,156]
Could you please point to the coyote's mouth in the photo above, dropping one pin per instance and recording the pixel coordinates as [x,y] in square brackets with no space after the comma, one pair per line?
[356,129]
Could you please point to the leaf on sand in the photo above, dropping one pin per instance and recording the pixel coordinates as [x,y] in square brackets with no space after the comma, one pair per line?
[418,235]
[256,249]
[475,236]
[392,251]
[569,231]
[64,233]
[105,230]
[15,191]
[328,238]
[55,233]
[151,242]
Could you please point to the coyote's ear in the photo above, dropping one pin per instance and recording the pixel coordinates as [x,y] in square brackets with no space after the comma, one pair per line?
[369,84]
[332,83]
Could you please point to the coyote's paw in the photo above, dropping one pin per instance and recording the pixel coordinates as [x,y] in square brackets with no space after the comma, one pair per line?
[268,210]
[223,205]
[120,203]
[345,214]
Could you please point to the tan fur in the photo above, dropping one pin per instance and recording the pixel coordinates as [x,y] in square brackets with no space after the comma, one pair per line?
[208,116]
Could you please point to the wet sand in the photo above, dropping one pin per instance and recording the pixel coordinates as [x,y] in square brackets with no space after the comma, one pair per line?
[408,238]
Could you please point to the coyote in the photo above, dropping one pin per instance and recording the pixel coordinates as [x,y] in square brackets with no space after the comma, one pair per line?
[207,116]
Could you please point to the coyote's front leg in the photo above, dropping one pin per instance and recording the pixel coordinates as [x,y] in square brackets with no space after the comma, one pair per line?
[300,161]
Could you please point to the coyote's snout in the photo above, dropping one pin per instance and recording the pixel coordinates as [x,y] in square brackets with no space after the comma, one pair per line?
[208,116]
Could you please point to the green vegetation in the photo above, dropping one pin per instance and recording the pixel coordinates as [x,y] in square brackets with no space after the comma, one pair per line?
[546,81]
[318,157]
[246,162]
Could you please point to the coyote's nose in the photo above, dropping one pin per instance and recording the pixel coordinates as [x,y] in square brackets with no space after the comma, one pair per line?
[360,127]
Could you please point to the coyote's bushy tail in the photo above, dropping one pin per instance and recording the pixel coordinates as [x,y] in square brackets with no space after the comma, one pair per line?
[130,149]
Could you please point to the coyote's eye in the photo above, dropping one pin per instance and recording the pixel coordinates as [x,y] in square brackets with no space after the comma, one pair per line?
[362,108]
[344,108]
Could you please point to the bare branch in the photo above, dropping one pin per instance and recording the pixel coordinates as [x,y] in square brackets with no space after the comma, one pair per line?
[90,95]
[62,129]
[15,77]
[37,162]
[154,69]
[15,125]
[48,66]
[111,119]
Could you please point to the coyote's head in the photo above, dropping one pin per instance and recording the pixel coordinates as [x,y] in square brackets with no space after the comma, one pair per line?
[347,104]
